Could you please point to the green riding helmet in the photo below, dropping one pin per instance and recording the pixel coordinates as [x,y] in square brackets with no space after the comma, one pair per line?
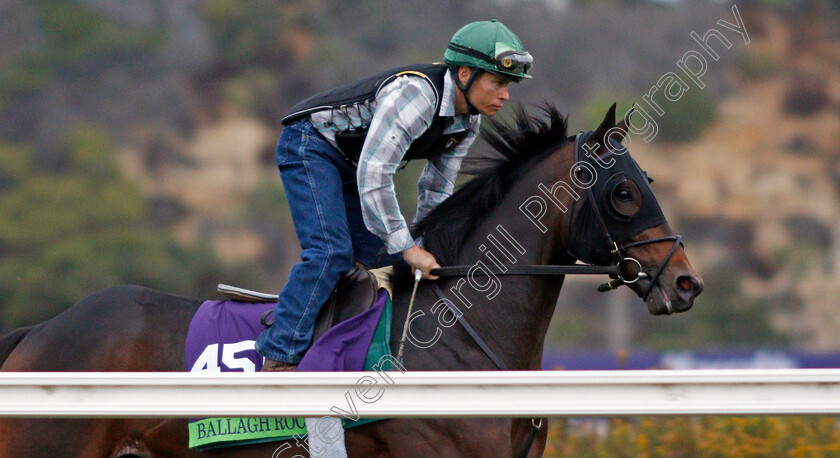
[490,46]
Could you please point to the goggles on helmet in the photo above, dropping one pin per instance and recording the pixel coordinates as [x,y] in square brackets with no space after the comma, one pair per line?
[516,63]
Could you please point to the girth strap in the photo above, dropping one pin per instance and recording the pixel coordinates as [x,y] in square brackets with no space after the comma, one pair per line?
[535,428]
[460,316]
[535,425]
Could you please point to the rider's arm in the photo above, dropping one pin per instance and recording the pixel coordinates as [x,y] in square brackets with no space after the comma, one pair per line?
[438,178]
[405,109]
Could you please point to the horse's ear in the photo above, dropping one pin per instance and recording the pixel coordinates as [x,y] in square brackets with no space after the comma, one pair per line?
[622,126]
[607,124]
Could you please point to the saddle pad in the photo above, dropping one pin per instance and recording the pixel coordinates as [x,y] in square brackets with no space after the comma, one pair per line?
[221,338]
[222,335]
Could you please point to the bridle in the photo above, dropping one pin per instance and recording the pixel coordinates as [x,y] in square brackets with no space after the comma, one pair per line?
[625,270]
[617,250]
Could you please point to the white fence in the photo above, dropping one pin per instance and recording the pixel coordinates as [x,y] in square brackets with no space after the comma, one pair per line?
[421,394]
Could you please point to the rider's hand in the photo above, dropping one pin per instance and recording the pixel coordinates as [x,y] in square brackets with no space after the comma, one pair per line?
[421,259]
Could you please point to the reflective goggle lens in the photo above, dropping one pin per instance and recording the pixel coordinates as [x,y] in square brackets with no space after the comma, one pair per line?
[514,62]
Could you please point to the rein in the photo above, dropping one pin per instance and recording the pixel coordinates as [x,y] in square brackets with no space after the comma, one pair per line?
[463,271]
[616,270]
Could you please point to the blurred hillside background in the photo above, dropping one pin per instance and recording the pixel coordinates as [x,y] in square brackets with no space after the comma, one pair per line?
[137,146]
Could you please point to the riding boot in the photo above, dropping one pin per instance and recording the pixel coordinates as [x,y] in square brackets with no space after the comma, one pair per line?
[271,365]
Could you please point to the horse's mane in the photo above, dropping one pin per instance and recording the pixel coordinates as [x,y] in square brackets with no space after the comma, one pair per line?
[519,146]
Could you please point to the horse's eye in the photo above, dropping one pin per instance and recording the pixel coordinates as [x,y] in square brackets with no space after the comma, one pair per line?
[625,198]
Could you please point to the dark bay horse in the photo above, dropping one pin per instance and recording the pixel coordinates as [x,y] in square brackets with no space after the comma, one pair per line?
[549,200]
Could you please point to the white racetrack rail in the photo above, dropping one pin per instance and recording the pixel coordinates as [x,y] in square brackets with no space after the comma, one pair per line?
[421,394]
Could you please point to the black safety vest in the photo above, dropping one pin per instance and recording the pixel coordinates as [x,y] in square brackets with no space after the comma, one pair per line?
[430,144]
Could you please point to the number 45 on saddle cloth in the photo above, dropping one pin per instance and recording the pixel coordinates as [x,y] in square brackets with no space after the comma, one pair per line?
[221,338]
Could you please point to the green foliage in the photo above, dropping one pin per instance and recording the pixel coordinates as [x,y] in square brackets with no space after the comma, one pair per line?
[252,92]
[266,203]
[89,149]
[69,25]
[65,236]
[26,73]
[593,112]
[575,330]
[683,120]
[75,33]
[696,436]
[43,208]
[246,33]
[802,258]
[757,65]
[686,118]
[405,186]
[254,53]
[15,164]
[46,280]
[776,5]
[76,41]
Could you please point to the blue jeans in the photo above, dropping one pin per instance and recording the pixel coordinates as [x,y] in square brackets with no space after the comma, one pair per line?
[326,209]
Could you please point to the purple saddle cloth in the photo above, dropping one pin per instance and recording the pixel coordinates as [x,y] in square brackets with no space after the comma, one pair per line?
[222,334]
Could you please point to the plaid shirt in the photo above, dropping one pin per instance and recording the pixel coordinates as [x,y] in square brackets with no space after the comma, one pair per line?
[403,110]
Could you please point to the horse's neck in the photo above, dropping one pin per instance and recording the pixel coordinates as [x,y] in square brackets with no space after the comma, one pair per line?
[515,321]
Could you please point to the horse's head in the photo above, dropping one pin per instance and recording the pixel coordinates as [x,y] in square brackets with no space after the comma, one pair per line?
[609,213]
[617,219]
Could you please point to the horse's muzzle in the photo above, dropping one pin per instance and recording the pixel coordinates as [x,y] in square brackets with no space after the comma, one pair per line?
[679,297]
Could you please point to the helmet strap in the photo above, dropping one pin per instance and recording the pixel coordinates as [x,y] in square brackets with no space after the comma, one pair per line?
[464,88]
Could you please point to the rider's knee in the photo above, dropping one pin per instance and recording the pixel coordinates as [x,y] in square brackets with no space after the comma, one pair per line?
[342,259]
[337,258]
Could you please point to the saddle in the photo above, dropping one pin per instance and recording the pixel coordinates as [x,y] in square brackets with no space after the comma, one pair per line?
[354,294]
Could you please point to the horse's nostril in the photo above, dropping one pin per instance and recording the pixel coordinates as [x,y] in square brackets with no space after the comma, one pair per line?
[686,283]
